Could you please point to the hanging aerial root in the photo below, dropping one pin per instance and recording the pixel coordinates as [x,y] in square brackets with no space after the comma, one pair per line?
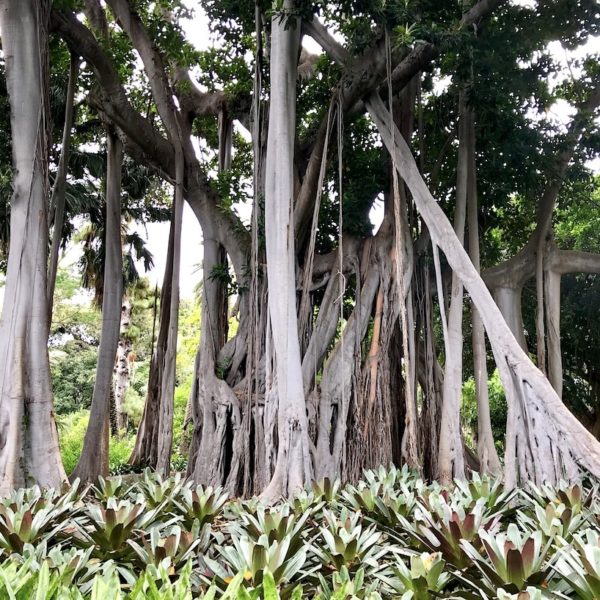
[558,430]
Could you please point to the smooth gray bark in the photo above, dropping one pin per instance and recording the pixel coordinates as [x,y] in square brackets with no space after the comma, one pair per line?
[122,373]
[57,200]
[450,459]
[29,450]
[93,460]
[293,467]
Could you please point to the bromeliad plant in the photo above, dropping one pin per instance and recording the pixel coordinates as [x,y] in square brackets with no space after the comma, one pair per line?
[253,558]
[446,526]
[553,520]
[173,548]
[158,491]
[512,560]
[391,536]
[482,487]
[199,503]
[393,478]
[326,490]
[579,565]
[343,542]
[110,527]
[113,487]
[33,516]
[277,524]
[344,586]
[574,496]
[426,577]
[382,503]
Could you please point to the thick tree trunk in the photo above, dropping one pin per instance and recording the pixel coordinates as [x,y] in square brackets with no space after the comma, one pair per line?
[552,312]
[430,376]
[28,438]
[293,468]
[216,456]
[57,200]
[544,440]
[95,448]
[341,388]
[213,407]
[508,300]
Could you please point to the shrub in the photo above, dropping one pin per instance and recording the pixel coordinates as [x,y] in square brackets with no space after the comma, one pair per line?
[498,408]
[71,431]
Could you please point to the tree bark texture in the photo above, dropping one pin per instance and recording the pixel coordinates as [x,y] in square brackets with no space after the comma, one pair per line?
[550,442]
[293,467]
[57,200]
[92,462]
[28,438]
[450,461]
[122,370]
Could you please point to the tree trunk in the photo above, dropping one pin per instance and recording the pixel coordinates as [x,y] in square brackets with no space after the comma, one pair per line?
[57,201]
[163,96]
[121,369]
[552,299]
[430,376]
[145,451]
[404,261]
[545,442]
[341,386]
[29,450]
[293,468]
[216,455]
[167,390]
[486,448]
[508,300]
[450,460]
[90,464]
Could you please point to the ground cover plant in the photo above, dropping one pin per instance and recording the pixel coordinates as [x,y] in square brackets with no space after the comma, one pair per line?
[392,535]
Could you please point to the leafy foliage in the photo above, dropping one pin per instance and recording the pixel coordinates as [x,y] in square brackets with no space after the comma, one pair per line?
[148,537]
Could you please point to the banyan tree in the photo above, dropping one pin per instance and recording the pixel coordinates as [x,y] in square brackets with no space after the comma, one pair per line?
[350,343]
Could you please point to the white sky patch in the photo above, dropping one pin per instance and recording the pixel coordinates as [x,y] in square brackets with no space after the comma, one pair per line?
[525,3]
[157,240]
[376,213]
[441,84]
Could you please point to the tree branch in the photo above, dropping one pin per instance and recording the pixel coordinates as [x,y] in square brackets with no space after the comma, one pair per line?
[515,271]
[573,261]
[112,99]
[362,77]
[318,32]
